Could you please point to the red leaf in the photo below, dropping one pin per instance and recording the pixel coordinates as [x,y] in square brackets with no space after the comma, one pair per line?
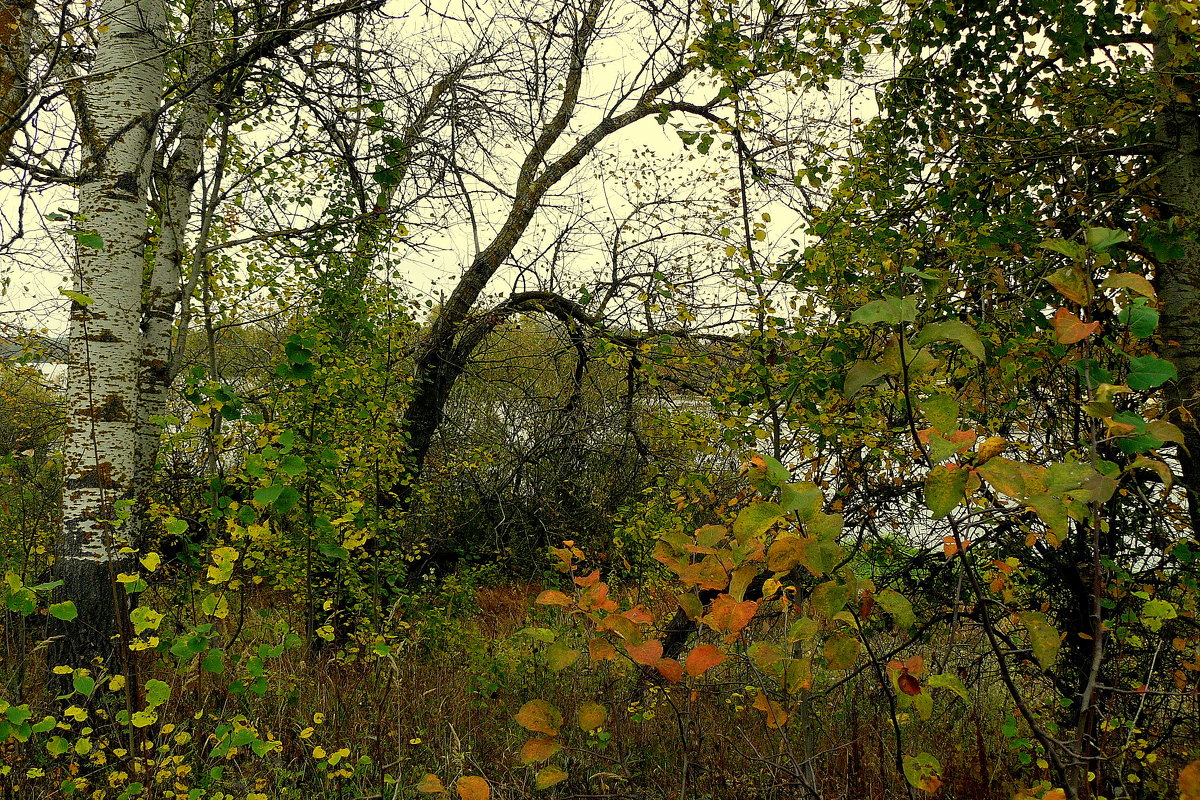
[730,616]
[908,684]
[649,653]
[670,669]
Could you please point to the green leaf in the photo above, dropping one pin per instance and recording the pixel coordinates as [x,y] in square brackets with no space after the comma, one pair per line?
[17,714]
[1052,512]
[829,598]
[1155,612]
[1066,476]
[951,682]
[771,475]
[292,465]
[559,656]
[1102,239]
[84,684]
[1141,319]
[841,651]
[803,499]
[889,311]
[142,719]
[945,488]
[755,519]
[862,374]
[333,550]
[213,661]
[267,494]
[287,499]
[802,630]
[1043,638]
[941,411]
[88,239]
[57,746]
[1068,249]
[1146,372]
[79,297]
[157,692]
[826,526]
[65,611]
[898,606]
[952,330]
[923,772]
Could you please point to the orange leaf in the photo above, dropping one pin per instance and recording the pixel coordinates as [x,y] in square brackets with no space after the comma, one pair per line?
[473,787]
[550,597]
[670,669]
[776,716]
[1189,782]
[950,546]
[648,653]
[601,649]
[596,597]
[962,437]
[704,657]
[538,749]
[908,684]
[638,615]
[730,616]
[1069,329]
[540,717]
[588,580]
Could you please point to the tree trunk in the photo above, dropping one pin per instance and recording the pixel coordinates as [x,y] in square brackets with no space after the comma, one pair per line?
[1178,279]
[117,116]
[174,213]
[16,21]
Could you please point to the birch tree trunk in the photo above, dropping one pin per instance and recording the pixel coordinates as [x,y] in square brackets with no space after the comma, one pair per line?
[116,113]
[174,211]
[1178,279]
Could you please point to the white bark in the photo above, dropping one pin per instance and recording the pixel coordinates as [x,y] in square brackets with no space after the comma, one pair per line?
[117,120]
[174,212]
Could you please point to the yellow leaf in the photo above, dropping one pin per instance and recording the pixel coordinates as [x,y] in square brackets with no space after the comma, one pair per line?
[539,716]
[591,715]
[431,784]
[548,777]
